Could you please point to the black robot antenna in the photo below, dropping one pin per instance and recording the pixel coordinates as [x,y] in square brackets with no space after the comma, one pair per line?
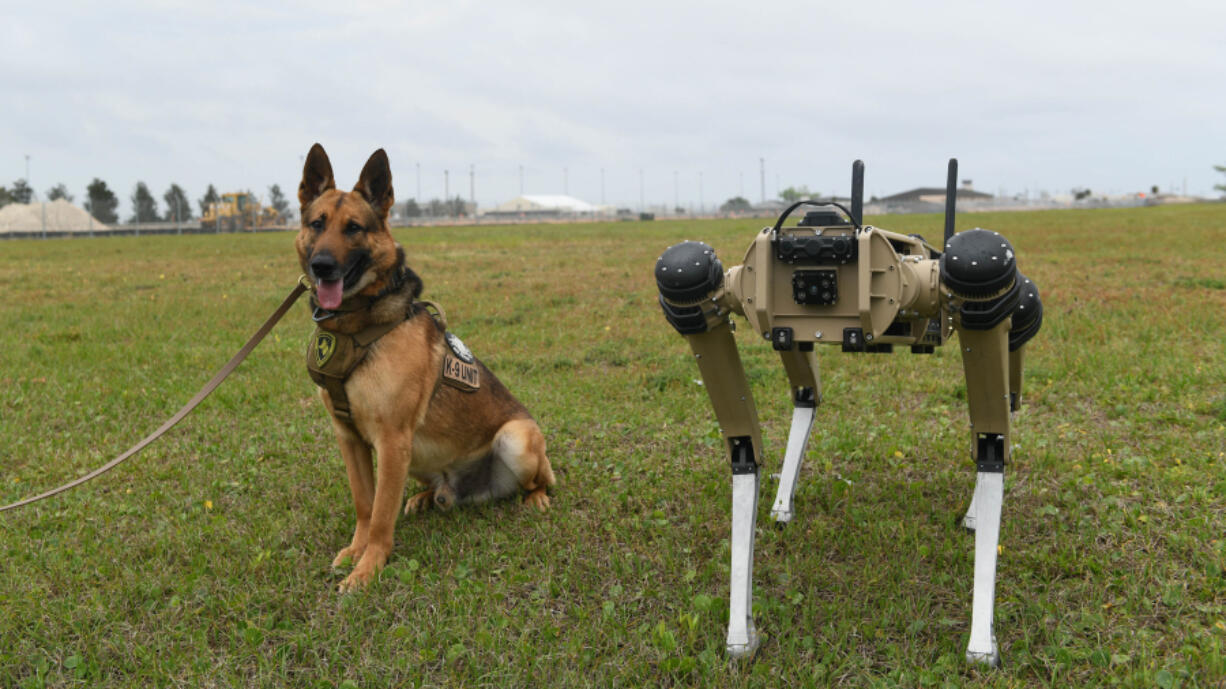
[951,199]
[857,192]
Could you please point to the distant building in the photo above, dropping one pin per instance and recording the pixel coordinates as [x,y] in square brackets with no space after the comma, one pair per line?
[545,206]
[774,206]
[934,195]
[925,200]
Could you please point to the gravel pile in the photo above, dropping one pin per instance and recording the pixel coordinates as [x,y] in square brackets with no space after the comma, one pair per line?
[62,216]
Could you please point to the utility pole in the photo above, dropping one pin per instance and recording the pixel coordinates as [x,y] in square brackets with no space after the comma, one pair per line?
[35,193]
[762,174]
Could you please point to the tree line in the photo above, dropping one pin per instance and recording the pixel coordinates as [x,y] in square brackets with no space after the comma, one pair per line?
[103,204]
[456,207]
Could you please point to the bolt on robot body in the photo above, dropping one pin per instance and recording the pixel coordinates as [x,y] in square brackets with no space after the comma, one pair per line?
[831,280]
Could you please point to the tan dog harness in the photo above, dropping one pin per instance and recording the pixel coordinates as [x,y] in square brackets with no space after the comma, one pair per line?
[332,357]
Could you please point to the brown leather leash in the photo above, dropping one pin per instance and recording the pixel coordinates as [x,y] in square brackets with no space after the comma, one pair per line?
[302,286]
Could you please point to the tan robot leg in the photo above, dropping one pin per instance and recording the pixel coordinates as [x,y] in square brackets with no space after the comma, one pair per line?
[985,358]
[689,277]
[806,389]
[1015,378]
[1015,401]
[724,378]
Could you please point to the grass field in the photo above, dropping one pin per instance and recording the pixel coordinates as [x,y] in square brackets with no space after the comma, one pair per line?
[204,561]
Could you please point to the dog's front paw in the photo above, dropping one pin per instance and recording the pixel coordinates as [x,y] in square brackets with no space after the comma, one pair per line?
[537,499]
[420,502]
[364,572]
[353,582]
[351,553]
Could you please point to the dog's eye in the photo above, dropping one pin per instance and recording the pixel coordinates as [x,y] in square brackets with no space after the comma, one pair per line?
[317,224]
[353,228]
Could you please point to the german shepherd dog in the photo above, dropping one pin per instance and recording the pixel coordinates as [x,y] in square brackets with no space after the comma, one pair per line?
[463,446]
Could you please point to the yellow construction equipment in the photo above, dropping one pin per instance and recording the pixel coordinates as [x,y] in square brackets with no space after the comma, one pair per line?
[239,211]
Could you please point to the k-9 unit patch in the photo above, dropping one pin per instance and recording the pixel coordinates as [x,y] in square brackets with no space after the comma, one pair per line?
[459,367]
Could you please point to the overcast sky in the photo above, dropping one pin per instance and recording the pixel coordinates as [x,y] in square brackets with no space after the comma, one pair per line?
[1114,96]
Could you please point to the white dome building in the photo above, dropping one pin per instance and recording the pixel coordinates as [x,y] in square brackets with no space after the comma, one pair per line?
[545,206]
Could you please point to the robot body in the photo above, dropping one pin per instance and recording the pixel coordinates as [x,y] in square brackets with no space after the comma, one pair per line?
[829,280]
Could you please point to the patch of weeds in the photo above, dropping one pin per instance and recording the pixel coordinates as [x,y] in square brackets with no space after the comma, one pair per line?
[1200,283]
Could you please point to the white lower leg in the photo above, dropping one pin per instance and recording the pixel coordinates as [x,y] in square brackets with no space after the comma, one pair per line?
[742,637]
[989,495]
[798,439]
[968,520]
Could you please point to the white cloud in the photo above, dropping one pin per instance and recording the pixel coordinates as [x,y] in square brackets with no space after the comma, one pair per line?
[1114,95]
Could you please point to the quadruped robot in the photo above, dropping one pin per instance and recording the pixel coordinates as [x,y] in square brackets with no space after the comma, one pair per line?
[832,280]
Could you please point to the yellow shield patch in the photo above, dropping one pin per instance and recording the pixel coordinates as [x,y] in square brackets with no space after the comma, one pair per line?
[325,347]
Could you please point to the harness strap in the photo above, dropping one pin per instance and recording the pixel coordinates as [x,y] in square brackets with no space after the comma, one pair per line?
[436,312]
[332,357]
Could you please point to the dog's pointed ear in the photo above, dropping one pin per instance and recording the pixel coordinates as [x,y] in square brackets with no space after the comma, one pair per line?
[316,176]
[375,183]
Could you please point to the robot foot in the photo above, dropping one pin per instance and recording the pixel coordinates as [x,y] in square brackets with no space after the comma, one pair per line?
[745,647]
[968,522]
[989,658]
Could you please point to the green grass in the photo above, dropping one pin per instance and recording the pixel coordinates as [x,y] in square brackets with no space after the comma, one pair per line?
[204,561]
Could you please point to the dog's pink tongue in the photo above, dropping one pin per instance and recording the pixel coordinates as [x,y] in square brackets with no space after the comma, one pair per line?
[329,293]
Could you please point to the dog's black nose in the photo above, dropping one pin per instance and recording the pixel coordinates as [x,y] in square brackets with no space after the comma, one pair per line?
[324,266]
